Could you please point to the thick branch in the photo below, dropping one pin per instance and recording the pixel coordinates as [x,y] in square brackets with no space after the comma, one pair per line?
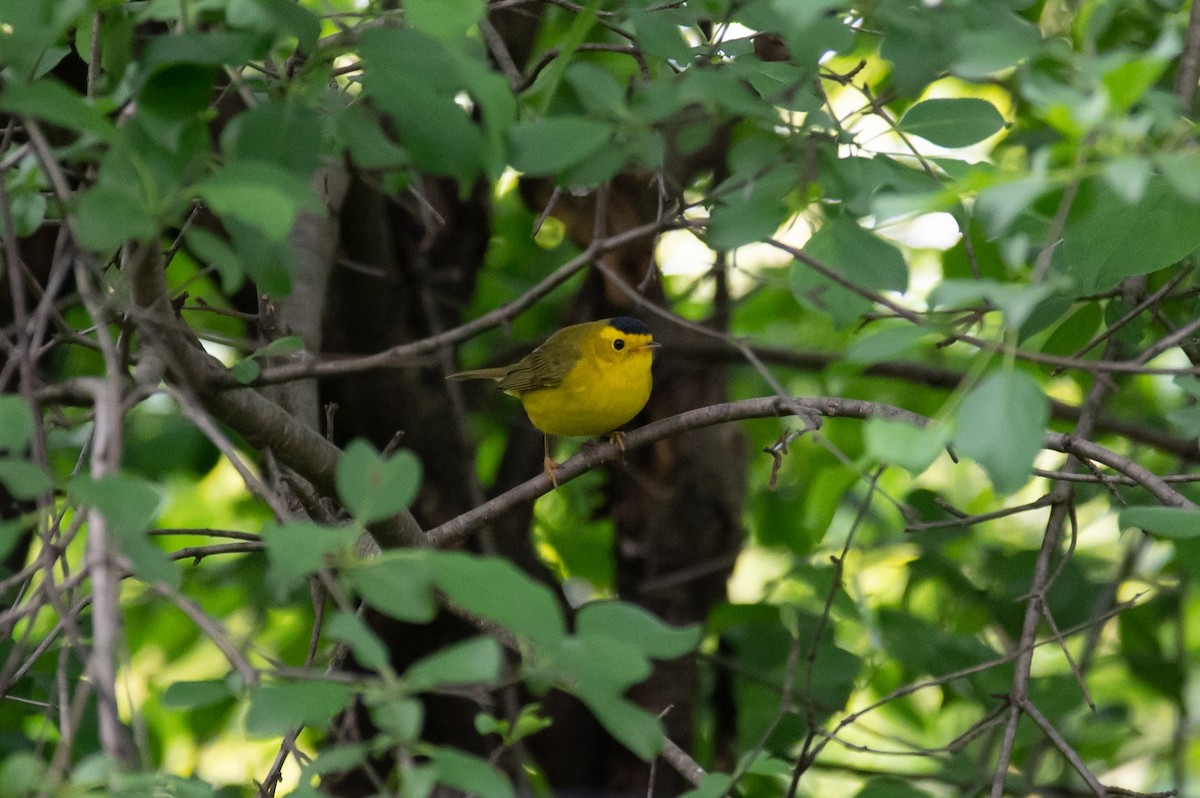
[1189,64]
[263,423]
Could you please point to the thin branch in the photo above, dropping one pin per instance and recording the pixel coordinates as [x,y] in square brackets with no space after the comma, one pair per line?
[971,520]
[212,628]
[683,763]
[459,528]
[1064,748]
[1040,583]
[192,411]
[407,354]
[962,673]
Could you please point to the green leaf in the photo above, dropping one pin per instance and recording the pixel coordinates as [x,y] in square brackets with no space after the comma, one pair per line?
[32,29]
[529,721]
[268,262]
[1002,425]
[546,146]
[901,444]
[712,785]
[127,502]
[210,248]
[470,774]
[275,709]
[979,54]
[369,146]
[1001,204]
[402,718]
[192,695]
[369,651]
[28,211]
[784,84]
[417,80]
[275,16]
[1074,331]
[245,370]
[952,122]
[637,627]
[1131,78]
[1128,176]
[373,488]
[108,217]
[1015,300]
[474,661]
[287,345]
[22,773]
[1181,170]
[598,91]
[16,423]
[599,670]
[443,19]
[859,257]
[284,133]
[1186,420]
[658,36]
[887,787]
[419,781]
[24,478]
[490,724]
[751,212]
[885,345]
[806,27]
[178,92]
[498,590]
[335,759]
[51,101]
[1103,228]
[299,548]
[260,195]
[149,561]
[1173,523]
[634,727]
[400,585]
[214,48]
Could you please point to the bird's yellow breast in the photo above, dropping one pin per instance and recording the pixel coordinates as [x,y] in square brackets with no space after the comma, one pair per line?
[595,397]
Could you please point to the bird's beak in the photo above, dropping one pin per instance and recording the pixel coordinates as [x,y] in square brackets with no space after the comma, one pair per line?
[651,345]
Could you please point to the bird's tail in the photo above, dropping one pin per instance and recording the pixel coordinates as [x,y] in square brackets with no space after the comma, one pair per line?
[496,374]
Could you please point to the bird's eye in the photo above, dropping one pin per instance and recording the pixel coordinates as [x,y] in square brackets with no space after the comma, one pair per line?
[619,344]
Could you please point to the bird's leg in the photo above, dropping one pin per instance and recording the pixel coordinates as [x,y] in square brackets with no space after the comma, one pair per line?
[548,463]
[618,437]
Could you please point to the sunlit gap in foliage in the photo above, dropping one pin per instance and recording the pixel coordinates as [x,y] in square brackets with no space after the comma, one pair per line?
[873,135]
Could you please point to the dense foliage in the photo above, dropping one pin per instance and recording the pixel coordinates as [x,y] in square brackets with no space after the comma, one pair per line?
[910,513]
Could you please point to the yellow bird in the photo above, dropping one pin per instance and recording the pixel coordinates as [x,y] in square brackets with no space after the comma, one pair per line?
[586,379]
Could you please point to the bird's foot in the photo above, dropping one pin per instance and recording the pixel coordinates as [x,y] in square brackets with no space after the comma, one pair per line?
[548,466]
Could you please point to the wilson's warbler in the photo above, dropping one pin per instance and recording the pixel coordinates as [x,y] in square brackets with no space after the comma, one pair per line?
[586,379]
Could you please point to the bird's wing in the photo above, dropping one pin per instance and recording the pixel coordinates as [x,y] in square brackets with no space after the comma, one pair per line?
[496,374]
[546,366]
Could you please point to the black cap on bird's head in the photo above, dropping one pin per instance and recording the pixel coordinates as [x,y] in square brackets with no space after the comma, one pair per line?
[630,325]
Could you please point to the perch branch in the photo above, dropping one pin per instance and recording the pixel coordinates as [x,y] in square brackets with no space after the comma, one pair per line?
[810,409]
